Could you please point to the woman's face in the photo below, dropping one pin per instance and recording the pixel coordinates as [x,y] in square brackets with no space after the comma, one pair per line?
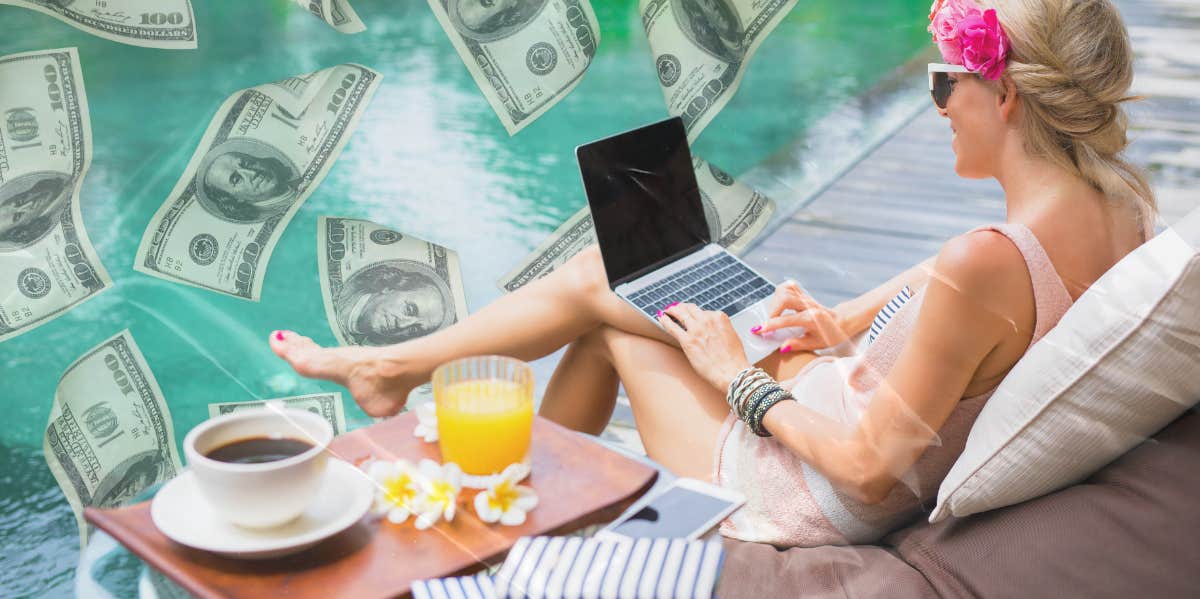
[977,126]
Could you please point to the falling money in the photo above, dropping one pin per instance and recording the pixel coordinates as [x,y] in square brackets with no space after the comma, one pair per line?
[326,405]
[338,13]
[382,287]
[265,151]
[47,262]
[164,24]
[110,434]
[702,48]
[526,55]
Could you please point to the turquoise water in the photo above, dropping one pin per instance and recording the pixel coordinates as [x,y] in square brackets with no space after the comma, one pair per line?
[429,158]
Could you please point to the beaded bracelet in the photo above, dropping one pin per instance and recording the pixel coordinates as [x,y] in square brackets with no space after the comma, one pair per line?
[752,400]
[760,411]
[751,393]
[731,391]
[749,385]
[747,378]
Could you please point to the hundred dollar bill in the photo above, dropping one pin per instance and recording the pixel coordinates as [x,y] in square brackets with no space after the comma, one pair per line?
[735,214]
[265,151]
[47,262]
[526,55]
[338,13]
[325,405]
[165,24]
[110,433]
[382,287]
[702,48]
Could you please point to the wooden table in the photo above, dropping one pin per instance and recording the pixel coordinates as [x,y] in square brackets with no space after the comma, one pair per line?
[578,481]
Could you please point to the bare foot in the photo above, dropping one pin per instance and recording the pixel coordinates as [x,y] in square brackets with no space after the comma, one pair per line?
[379,384]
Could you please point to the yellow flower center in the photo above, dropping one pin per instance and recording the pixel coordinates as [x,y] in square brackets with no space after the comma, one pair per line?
[441,493]
[399,490]
[503,497]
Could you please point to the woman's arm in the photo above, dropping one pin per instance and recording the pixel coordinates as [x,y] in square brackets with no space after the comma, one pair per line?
[964,316]
[855,315]
[833,328]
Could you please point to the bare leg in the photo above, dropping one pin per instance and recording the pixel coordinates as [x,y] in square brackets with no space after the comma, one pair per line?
[583,391]
[678,414]
[527,324]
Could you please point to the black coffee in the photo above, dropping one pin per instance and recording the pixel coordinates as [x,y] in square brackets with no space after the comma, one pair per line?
[257,450]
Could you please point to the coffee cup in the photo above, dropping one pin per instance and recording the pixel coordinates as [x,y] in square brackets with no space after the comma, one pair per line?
[259,468]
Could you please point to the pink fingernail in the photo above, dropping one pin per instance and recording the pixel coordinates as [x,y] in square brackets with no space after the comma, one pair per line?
[785,349]
[756,329]
[659,315]
[671,305]
[279,335]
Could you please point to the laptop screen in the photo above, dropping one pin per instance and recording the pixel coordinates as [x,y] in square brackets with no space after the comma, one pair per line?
[644,200]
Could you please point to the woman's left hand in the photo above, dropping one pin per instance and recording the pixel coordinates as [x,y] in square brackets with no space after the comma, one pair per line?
[708,340]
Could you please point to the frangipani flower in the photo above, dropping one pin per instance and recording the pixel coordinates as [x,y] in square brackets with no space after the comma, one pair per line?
[504,500]
[426,422]
[397,488]
[439,497]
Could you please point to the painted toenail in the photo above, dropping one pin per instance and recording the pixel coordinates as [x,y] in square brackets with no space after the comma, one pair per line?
[279,335]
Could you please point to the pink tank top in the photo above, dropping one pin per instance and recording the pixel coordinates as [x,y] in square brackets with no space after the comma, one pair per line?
[789,503]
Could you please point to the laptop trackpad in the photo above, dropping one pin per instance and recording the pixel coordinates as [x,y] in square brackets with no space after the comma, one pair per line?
[758,347]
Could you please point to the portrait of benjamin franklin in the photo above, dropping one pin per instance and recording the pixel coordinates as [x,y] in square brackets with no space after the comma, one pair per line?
[714,26]
[488,20]
[129,478]
[30,206]
[244,180]
[393,301]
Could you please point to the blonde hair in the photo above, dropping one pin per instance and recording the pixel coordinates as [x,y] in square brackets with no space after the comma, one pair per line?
[1072,65]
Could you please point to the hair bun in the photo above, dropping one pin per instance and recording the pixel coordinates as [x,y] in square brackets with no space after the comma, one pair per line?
[1072,65]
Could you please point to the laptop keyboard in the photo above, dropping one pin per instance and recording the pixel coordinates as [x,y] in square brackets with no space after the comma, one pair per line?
[716,283]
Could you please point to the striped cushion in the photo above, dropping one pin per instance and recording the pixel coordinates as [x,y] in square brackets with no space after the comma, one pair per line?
[478,586]
[885,314]
[568,567]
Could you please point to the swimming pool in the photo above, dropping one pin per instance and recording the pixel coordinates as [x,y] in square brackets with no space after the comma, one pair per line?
[429,158]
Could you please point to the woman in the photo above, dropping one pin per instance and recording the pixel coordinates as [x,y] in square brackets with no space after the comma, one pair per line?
[868,436]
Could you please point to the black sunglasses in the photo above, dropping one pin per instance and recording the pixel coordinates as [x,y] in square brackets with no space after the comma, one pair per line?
[939,81]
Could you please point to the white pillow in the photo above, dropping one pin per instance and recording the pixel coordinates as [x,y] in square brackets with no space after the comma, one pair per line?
[1122,363]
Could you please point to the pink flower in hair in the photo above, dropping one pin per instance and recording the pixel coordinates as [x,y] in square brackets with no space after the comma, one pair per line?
[984,44]
[967,36]
[944,26]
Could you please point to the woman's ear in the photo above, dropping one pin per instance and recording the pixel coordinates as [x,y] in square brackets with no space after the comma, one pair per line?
[1008,99]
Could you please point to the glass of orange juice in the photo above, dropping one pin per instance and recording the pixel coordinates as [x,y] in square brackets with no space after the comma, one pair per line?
[484,413]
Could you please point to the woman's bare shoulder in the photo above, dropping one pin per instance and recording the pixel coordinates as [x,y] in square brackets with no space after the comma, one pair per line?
[985,269]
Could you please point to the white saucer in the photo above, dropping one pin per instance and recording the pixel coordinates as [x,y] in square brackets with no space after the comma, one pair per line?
[184,516]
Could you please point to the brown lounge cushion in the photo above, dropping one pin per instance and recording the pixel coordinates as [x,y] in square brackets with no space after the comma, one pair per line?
[1131,530]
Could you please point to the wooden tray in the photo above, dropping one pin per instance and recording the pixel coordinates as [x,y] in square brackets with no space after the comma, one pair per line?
[579,482]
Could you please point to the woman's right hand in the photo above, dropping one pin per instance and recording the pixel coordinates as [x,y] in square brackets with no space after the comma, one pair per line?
[822,326]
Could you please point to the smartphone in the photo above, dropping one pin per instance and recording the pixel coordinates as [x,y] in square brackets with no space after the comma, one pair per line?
[688,508]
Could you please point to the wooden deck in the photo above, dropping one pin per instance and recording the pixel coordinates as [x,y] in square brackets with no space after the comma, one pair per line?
[902,200]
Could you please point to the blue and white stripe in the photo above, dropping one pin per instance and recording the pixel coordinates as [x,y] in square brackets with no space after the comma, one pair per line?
[571,567]
[885,314]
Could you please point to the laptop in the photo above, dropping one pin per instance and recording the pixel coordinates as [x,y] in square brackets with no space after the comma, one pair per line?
[656,244]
